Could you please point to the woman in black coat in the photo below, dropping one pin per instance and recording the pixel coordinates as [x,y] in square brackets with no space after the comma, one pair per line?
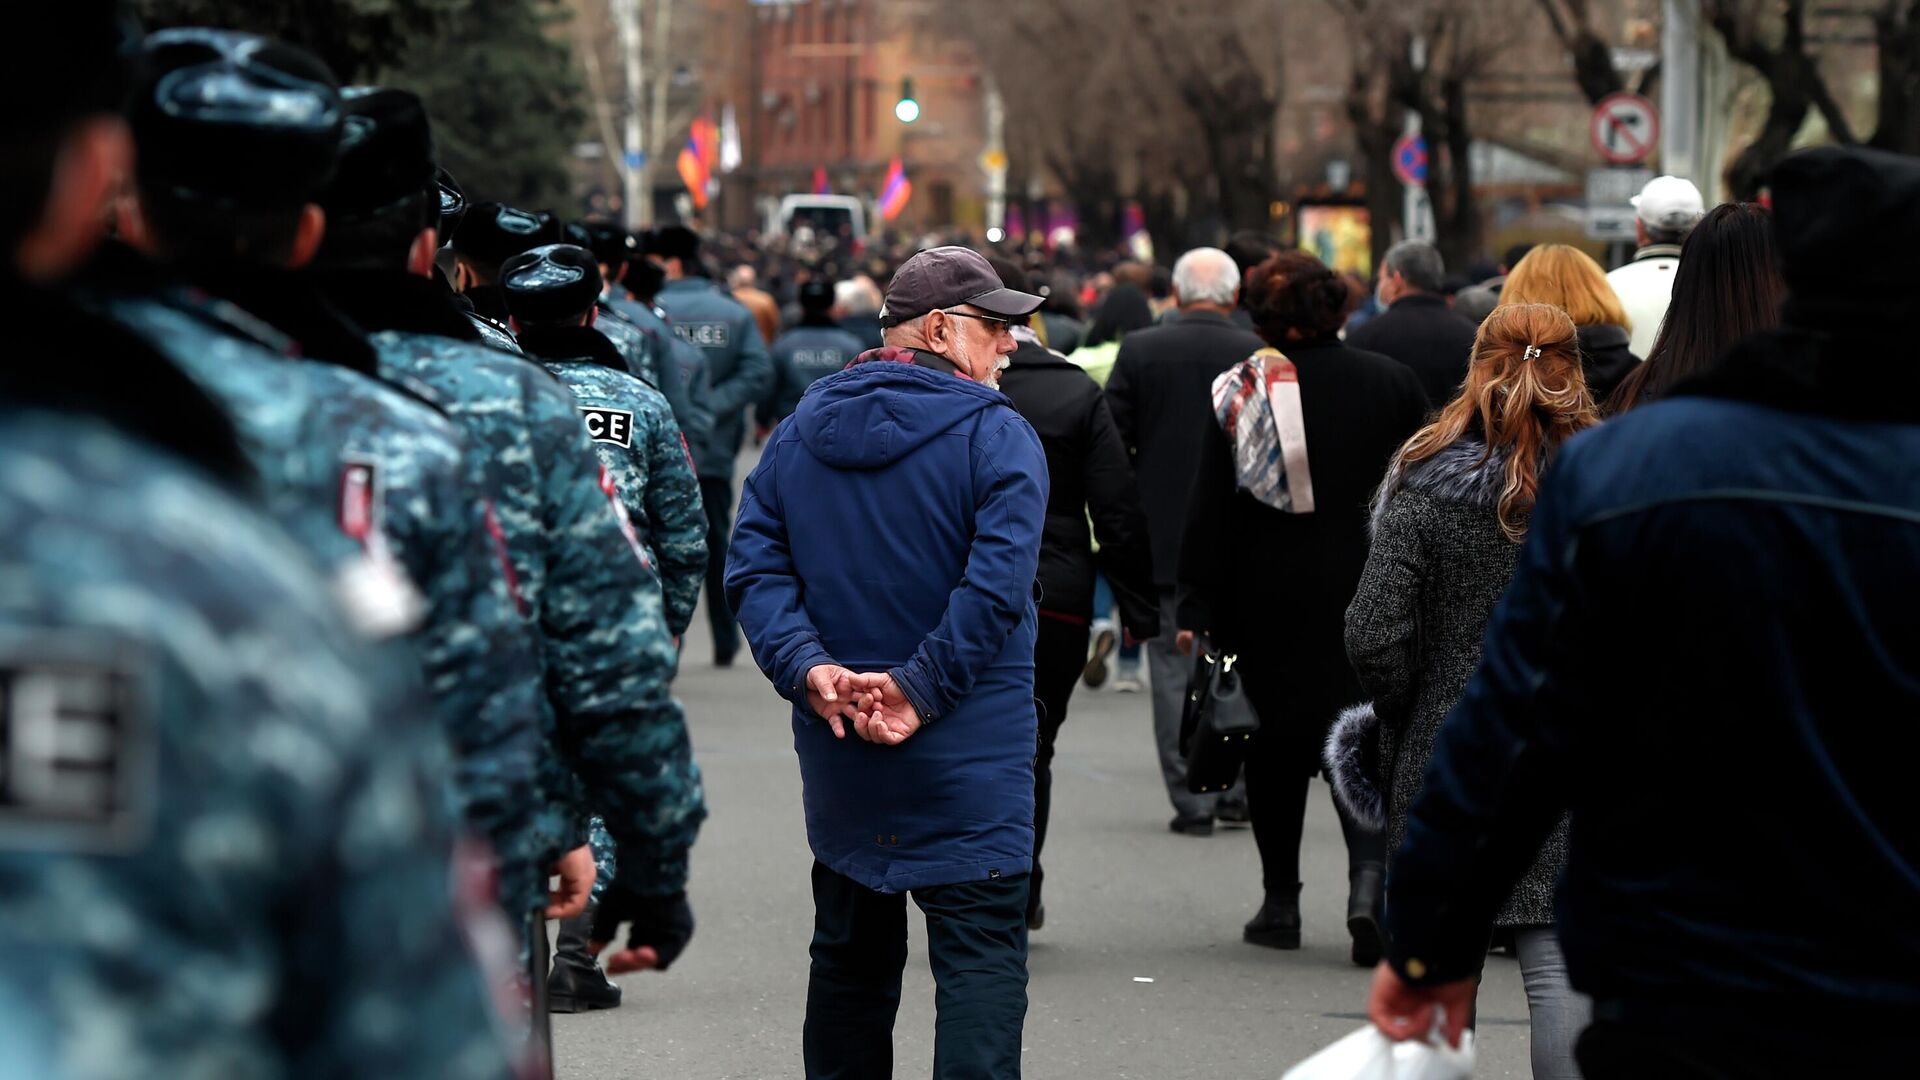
[1274,548]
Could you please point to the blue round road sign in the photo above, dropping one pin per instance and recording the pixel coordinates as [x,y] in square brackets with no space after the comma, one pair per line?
[1410,160]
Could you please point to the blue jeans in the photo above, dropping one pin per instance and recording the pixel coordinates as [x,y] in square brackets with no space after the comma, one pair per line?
[977,946]
[1103,609]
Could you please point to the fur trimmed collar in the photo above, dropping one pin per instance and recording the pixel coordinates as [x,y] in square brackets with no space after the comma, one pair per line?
[1463,472]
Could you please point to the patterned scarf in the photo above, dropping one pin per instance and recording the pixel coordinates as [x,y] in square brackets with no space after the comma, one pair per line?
[1257,402]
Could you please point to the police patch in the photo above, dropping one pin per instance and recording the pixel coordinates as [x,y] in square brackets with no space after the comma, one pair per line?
[707,335]
[76,743]
[609,425]
[359,498]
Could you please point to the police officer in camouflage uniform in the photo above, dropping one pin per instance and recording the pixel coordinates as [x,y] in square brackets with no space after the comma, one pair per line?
[617,742]
[740,373]
[188,887]
[234,133]
[551,293]
[649,355]
[685,365]
[491,234]
[812,350]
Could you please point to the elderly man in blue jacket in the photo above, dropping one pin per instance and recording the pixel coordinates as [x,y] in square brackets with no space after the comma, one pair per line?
[883,569]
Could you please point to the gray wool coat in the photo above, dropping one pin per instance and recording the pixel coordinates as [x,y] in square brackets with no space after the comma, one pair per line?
[1438,565]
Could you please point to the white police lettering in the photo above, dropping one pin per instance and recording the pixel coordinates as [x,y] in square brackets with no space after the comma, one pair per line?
[75,749]
[707,335]
[609,425]
[819,359]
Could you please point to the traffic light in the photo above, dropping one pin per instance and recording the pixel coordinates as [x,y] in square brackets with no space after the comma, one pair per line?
[907,109]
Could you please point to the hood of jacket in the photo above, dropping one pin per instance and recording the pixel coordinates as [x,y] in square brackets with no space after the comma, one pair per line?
[1463,472]
[883,407]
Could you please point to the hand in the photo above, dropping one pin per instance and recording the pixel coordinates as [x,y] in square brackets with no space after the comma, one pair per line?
[1184,642]
[883,714]
[1403,1012]
[576,872]
[830,695]
[660,927]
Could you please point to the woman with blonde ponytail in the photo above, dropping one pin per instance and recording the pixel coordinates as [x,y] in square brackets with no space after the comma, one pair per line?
[1447,525]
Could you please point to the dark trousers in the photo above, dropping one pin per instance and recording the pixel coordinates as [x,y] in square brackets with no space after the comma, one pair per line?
[1059,658]
[717,494]
[1277,789]
[977,946]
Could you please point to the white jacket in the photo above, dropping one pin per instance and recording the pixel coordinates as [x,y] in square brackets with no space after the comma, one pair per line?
[1645,287]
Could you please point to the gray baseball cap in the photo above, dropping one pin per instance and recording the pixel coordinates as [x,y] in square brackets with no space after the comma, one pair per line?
[943,277]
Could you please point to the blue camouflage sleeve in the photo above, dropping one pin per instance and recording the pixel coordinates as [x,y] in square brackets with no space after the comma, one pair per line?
[678,520]
[478,661]
[611,660]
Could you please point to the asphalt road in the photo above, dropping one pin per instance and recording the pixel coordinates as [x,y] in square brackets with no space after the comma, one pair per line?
[1127,901]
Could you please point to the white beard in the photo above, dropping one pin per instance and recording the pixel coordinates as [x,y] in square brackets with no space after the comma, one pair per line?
[991,378]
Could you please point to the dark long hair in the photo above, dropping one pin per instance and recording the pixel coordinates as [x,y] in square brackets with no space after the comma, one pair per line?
[1727,287]
[1124,310]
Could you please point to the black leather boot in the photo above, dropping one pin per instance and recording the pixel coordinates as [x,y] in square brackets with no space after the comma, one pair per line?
[1365,885]
[576,983]
[1277,924]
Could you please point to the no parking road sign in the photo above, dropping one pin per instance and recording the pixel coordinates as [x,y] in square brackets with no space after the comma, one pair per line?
[1410,160]
[1625,129]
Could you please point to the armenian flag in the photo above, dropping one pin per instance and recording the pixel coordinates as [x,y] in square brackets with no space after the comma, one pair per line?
[895,192]
[820,184]
[697,160]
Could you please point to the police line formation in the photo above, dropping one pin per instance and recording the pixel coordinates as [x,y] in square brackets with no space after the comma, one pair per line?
[348,532]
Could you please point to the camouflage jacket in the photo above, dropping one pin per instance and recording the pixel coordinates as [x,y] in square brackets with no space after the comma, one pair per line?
[618,742]
[251,861]
[738,367]
[633,431]
[374,482]
[677,369]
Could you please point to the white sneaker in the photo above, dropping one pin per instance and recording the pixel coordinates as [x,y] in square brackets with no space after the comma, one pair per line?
[1127,682]
[1105,640]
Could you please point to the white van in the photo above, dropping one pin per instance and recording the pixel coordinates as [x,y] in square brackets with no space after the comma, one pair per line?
[823,214]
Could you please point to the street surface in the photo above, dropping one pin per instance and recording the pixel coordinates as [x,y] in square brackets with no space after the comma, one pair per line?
[1126,900]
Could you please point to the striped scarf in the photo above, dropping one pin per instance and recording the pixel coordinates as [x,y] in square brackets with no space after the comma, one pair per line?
[1257,402]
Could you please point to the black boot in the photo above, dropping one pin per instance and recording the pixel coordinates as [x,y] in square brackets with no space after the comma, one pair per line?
[576,983]
[1364,887]
[1277,925]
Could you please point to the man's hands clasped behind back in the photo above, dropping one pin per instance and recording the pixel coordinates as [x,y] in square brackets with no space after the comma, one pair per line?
[876,705]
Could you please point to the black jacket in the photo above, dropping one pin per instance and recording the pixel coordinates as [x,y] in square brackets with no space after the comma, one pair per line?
[1723,578]
[1422,332]
[1274,586]
[1605,355]
[1089,473]
[1161,394]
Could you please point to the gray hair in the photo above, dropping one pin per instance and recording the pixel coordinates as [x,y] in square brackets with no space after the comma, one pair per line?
[858,296]
[1419,263]
[1206,276]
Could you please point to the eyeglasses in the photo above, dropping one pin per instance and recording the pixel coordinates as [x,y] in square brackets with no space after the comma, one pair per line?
[996,326]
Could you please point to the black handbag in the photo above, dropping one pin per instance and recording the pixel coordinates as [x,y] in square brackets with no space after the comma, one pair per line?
[1217,724]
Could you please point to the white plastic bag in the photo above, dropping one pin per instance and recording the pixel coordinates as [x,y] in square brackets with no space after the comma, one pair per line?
[1368,1055]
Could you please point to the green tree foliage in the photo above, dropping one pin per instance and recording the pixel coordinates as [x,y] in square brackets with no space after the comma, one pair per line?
[500,87]
[354,37]
[504,98]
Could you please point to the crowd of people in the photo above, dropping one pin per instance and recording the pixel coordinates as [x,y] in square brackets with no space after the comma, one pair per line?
[352,530]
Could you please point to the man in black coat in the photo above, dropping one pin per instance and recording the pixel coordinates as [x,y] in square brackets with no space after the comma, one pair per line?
[1090,477]
[1419,328]
[1161,395]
